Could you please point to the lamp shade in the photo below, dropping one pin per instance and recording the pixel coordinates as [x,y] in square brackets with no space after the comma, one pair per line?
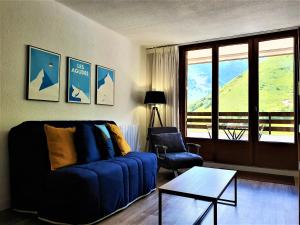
[155,97]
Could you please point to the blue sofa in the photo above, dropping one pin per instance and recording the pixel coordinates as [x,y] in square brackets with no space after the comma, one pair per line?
[78,194]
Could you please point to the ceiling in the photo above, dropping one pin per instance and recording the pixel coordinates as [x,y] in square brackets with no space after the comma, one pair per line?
[162,22]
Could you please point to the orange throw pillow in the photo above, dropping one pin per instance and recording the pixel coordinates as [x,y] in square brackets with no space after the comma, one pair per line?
[61,146]
[116,132]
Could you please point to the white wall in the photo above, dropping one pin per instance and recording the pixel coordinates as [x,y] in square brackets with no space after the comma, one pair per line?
[52,26]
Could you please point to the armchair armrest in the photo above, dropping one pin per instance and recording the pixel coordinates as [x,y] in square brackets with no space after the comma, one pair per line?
[159,149]
[196,146]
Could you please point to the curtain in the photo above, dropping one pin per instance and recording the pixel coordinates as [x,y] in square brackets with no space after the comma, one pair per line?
[162,69]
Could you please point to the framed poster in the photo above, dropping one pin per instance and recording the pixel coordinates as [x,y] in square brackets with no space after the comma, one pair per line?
[105,85]
[79,81]
[43,75]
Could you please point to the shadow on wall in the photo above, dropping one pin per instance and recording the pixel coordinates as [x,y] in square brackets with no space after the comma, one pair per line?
[4,168]
[138,93]
[141,114]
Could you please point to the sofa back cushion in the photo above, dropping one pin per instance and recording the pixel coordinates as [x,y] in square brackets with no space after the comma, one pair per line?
[119,139]
[61,146]
[104,141]
[173,141]
[85,142]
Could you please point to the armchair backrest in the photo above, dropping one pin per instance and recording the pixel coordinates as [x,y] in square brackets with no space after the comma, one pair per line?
[159,130]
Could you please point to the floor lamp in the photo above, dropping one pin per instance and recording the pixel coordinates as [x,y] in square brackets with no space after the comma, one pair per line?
[153,98]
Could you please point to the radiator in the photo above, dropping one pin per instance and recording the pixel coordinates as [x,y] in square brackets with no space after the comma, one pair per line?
[131,134]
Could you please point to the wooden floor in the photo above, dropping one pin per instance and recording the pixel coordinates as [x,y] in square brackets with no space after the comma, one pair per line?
[259,202]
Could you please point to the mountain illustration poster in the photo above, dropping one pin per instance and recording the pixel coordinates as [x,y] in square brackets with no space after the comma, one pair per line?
[43,74]
[105,86]
[79,81]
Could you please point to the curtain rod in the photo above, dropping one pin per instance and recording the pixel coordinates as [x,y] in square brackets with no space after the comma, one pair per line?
[162,46]
[227,37]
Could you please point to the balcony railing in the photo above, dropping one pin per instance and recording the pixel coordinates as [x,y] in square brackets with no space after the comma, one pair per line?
[268,121]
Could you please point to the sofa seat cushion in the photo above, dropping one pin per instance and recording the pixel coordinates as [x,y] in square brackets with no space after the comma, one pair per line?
[71,195]
[83,193]
[112,182]
[148,162]
[134,172]
[182,160]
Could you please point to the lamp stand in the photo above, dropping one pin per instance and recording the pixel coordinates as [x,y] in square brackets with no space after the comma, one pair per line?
[152,117]
[154,110]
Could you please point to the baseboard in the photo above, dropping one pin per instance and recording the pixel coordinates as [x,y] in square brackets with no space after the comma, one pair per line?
[25,211]
[292,173]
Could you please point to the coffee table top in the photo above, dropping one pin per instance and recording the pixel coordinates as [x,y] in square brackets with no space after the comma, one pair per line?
[201,181]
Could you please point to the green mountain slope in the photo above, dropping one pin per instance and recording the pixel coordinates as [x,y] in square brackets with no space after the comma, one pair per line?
[275,89]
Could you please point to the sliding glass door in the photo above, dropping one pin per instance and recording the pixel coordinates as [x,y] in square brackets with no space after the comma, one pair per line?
[276,90]
[199,93]
[238,98]
[233,92]
[277,101]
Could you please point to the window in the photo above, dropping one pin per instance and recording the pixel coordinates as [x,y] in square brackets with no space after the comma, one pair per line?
[233,92]
[276,90]
[238,99]
[199,90]
[230,70]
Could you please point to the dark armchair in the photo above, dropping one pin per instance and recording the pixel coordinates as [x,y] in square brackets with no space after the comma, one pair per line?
[171,150]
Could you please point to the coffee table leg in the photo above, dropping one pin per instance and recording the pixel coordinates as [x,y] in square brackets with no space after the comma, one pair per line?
[235,190]
[159,208]
[215,212]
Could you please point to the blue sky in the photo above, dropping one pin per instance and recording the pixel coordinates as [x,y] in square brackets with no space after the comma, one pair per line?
[41,60]
[102,72]
[200,76]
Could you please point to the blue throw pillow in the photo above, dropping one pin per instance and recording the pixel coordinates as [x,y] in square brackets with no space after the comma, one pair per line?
[105,141]
[85,142]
